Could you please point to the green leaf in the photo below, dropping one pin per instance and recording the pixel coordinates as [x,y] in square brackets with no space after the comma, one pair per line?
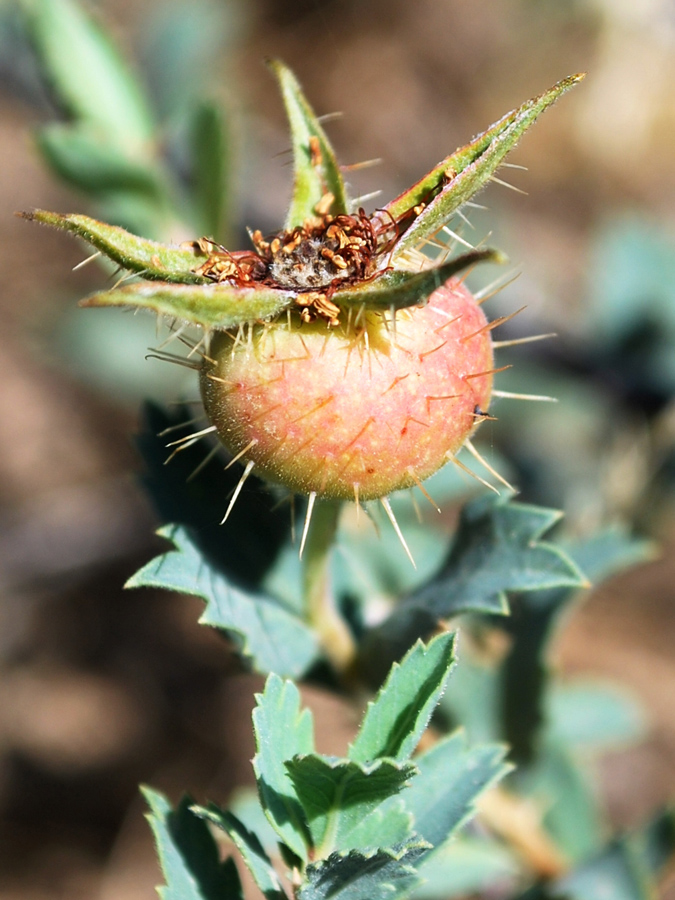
[599,556]
[152,260]
[316,172]
[558,785]
[395,720]
[188,854]
[608,552]
[628,869]
[282,731]
[90,162]
[246,546]
[338,795]
[525,676]
[210,148]
[633,257]
[185,47]
[267,635]
[497,549]
[244,803]
[387,826]
[594,716]
[655,842]
[452,776]
[363,875]
[466,866]
[91,80]
[250,848]
[397,290]
[217,306]
[473,699]
[462,174]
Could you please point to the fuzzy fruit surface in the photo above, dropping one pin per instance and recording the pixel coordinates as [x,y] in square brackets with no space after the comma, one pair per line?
[358,410]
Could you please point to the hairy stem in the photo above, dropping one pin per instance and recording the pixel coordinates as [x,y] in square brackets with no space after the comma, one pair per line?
[320,609]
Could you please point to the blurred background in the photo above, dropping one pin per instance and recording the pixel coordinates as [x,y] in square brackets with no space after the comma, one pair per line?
[103,689]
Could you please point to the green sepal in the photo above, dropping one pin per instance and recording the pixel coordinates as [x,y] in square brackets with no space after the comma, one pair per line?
[219,306]
[282,731]
[268,636]
[395,720]
[382,874]
[400,289]
[312,177]
[188,854]
[339,795]
[150,259]
[252,851]
[462,174]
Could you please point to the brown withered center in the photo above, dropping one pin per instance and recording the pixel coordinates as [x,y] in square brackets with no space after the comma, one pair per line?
[315,259]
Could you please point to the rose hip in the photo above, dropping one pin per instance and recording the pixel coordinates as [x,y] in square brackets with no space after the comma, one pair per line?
[357,411]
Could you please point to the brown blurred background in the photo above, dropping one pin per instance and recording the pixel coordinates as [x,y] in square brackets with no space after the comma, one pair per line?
[103,689]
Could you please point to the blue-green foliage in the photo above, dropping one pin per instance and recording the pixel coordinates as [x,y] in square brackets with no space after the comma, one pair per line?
[377,822]
[361,826]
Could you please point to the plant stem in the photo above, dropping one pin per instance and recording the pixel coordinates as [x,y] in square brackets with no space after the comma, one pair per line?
[320,609]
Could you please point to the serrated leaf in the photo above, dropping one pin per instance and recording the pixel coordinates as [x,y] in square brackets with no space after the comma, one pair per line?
[316,171]
[462,174]
[267,635]
[396,718]
[244,803]
[152,260]
[217,306]
[282,731]
[473,699]
[257,861]
[451,778]
[467,866]
[498,548]
[337,795]
[608,552]
[599,556]
[81,157]
[246,546]
[387,826]
[209,142]
[525,674]
[398,290]
[188,854]
[89,77]
[363,875]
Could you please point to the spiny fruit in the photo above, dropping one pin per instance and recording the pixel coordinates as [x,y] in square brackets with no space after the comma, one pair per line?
[355,411]
[338,359]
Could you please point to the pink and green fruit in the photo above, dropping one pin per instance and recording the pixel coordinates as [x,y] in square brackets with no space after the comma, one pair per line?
[357,411]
